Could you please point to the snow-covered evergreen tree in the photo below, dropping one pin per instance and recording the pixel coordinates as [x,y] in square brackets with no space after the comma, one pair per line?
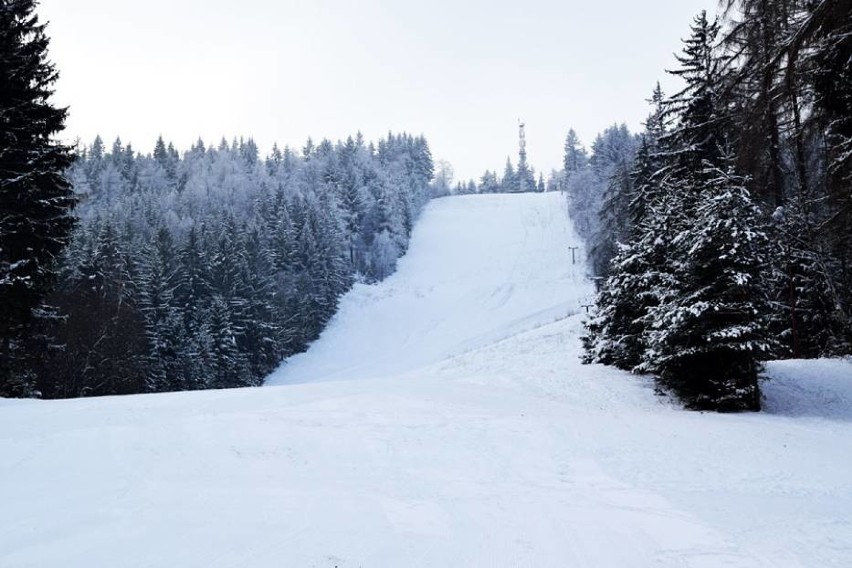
[708,335]
[686,298]
[509,182]
[604,179]
[35,197]
[575,157]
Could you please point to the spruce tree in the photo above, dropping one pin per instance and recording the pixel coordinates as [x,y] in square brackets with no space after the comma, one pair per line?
[708,332]
[753,38]
[808,313]
[640,268]
[831,32]
[707,339]
[35,197]
[574,158]
[509,183]
[687,299]
[614,218]
[640,277]
[703,124]
[95,160]
[160,279]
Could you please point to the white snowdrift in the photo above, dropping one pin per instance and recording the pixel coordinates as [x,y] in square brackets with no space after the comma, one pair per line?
[486,444]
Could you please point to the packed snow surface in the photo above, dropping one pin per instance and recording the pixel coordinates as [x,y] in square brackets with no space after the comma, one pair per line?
[442,420]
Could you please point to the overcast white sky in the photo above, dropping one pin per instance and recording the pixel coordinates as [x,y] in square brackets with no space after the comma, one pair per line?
[459,71]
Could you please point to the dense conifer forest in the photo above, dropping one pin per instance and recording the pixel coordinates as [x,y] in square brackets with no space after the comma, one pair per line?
[723,234]
[204,269]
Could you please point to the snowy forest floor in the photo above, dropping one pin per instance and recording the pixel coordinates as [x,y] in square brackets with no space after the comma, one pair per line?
[443,419]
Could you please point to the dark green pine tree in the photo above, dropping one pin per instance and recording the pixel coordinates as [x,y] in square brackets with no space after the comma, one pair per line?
[808,319]
[703,126]
[707,340]
[160,278]
[161,154]
[831,31]
[35,197]
[641,278]
[648,163]
[262,333]
[686,296]
[639,268]
[95,162]
[707,334]
[307,302]
[229,367]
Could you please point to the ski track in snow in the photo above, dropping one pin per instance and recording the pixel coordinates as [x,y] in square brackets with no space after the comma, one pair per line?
[443,419]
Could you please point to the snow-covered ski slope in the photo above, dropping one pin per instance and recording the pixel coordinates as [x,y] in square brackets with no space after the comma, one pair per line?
[483,443]
[480,269]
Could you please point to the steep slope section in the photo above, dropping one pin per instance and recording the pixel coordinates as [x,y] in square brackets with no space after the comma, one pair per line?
[480,268]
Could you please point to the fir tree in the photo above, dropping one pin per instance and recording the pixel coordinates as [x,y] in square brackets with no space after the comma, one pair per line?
[35,197]
[703,123]
[575,157]
[686,299]
[95,161]
[509,183]
[641,277]
[614,218]
[707,339]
